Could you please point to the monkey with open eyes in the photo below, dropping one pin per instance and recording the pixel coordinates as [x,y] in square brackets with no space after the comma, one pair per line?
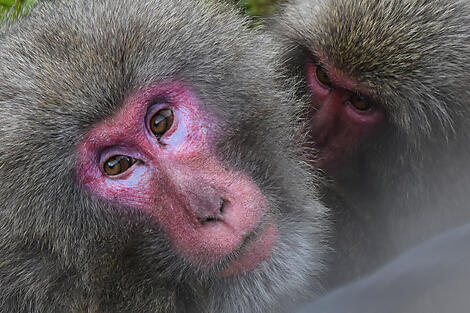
[147,164]
[388,91]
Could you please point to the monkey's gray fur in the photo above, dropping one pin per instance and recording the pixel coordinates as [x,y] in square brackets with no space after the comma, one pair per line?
[412,178]
[70,65]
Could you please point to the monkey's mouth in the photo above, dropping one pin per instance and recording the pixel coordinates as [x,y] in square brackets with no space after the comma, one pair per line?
[255,248]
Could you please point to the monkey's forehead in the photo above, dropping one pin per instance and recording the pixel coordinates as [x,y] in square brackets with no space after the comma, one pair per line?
[100,40]
[98,52]
[385,42]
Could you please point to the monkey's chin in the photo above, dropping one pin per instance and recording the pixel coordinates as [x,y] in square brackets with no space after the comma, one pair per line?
[252,253]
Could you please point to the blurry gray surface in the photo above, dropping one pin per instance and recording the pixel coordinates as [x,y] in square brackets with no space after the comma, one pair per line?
[431,278]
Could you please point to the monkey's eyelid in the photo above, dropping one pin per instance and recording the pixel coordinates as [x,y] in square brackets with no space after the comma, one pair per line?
[313,57]
[316,61]
[160,99]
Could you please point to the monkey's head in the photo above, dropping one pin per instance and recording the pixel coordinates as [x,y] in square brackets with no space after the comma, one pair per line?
[147,161]
[385,78]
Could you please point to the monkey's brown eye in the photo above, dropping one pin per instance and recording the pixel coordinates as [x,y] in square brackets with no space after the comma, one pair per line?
[118,164]
[161,122]
[322,76]
[360,103]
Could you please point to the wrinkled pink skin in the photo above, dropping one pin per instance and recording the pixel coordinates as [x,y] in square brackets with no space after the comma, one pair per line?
[337,127]
[178,179]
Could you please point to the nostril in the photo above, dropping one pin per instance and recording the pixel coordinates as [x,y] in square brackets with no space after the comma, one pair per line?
[206,220]
[222,206]
[216,216]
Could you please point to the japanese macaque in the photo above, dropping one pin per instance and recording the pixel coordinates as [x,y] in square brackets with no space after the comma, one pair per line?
[148,164]
[388,87]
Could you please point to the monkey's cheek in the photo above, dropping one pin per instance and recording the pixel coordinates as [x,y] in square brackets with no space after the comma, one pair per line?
[334,143]
[253,253]
[329,159]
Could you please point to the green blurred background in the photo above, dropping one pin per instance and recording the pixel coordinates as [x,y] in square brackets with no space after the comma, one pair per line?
[14,7]
[258,8]
[255,8]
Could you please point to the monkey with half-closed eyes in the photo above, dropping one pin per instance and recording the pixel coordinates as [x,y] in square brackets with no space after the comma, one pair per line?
[388,85]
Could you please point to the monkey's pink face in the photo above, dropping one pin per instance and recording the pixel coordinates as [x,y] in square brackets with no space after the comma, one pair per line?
[157,154]
[342,115]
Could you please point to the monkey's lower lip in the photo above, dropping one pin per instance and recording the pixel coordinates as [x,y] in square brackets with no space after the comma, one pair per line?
[253,252]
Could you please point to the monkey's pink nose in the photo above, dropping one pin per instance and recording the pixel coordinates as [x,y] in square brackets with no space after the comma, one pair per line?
[208,208]
[204,203]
